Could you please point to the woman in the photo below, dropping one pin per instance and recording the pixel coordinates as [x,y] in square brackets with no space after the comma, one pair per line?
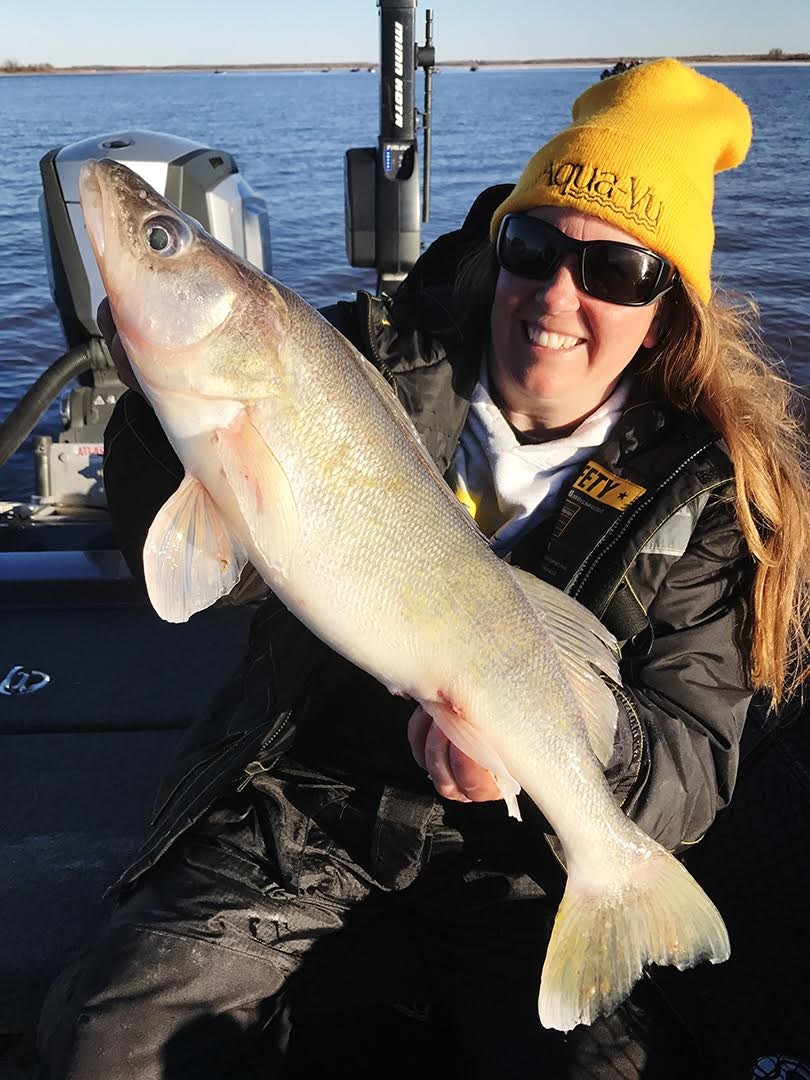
[600,413]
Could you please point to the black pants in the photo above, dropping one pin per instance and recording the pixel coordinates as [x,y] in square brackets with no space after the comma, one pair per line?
[306,928]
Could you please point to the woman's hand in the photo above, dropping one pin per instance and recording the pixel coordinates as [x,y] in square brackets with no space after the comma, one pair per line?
[119,357]
[455,775]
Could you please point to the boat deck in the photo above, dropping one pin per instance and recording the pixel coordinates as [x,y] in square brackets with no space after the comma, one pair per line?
[81,760]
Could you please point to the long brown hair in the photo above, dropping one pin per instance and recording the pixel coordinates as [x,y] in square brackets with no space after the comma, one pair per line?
[711,361]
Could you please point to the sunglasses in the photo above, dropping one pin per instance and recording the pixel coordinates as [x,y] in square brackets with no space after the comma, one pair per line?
[609,270]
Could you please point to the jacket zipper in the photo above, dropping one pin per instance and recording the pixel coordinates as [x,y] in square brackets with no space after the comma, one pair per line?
[383,369]
[252,770]
[256,768]
[224,746]
[611,537]
[635,724]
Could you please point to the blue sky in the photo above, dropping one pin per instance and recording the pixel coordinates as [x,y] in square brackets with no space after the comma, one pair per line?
[277,31]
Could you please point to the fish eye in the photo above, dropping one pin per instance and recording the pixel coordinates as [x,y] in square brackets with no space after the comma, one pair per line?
[166,235]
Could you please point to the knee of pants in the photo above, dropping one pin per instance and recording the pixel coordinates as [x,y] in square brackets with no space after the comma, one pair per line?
[90,1027]
[147,1003]
[52,1017]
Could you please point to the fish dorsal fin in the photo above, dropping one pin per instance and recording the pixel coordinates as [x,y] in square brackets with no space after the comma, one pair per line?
[586,648]
[262,491]
[190,557]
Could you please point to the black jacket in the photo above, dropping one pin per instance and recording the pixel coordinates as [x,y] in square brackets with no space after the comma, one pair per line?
[668,573]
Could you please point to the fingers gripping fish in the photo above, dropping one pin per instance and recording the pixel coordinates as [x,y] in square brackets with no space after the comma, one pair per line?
[299,460]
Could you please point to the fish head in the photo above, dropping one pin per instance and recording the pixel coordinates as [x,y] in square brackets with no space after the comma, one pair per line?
[190,313]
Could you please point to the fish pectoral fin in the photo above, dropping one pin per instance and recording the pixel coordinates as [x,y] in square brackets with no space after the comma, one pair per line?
[190,558]
[586,648]
[262,491]
[462,733]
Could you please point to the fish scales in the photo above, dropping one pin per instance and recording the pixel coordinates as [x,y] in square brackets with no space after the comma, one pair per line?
[299,459]
[378,530]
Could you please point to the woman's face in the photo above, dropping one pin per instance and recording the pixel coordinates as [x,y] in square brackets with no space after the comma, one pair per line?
[557,353]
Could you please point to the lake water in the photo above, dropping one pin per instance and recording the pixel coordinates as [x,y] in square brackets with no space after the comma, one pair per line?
[289,132]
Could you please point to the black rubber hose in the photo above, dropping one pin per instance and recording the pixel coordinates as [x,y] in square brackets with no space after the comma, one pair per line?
[22,419]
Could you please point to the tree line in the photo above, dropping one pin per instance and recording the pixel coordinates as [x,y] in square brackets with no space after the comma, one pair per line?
[11,67]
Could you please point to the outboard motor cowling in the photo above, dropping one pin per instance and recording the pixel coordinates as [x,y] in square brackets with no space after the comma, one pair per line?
[202,182]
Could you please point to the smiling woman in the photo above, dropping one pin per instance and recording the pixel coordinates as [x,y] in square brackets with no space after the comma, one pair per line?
[558,350]
[595,405]
[660,321]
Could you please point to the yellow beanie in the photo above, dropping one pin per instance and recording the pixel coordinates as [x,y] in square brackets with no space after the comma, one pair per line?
[642,153]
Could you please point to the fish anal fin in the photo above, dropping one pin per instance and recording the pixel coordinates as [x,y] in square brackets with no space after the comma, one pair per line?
[601,942]
[465,736]
[586,648]
[190,558]
[262,492]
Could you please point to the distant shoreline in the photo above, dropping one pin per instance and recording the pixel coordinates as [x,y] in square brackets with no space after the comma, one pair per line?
[372,66]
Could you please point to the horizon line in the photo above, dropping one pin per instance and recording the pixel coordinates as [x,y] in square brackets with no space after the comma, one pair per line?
[13,67]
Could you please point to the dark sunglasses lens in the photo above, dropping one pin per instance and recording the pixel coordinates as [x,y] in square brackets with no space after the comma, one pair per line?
[527,249]
[620,274]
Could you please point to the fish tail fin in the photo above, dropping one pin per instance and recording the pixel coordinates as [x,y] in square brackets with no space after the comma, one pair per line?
[601,941]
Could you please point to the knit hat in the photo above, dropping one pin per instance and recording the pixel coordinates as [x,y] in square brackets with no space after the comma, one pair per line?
[642,153]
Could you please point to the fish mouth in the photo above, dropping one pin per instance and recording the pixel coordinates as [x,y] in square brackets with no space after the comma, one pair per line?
[92,201]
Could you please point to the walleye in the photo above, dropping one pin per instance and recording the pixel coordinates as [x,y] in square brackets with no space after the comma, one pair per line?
[300,460]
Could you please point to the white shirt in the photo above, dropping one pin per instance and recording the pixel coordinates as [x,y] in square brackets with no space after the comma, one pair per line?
[509,486]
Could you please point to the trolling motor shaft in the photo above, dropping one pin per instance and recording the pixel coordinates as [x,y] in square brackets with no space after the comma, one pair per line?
[383,204]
